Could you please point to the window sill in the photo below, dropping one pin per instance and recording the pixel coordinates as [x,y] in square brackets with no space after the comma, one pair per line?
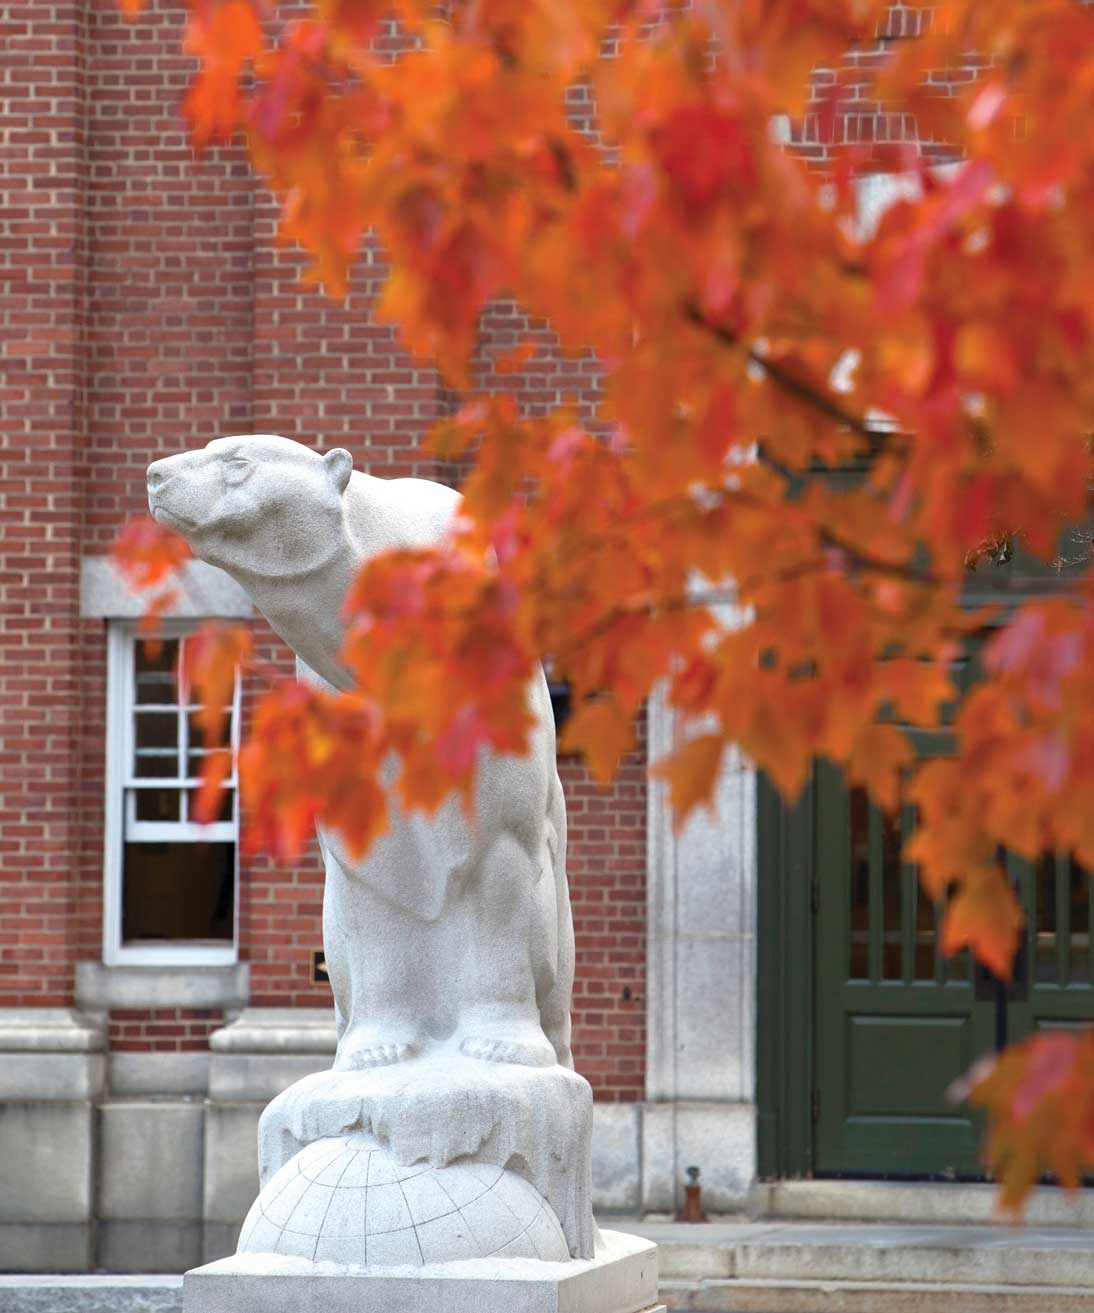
[99,987]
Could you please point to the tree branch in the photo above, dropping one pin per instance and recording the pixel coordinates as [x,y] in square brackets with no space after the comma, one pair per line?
[789,383]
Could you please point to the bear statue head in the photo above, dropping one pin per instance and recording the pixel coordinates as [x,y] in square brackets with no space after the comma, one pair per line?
[255,505]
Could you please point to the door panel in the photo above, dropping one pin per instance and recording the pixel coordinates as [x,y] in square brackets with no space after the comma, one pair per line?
[896,1022]
[1056,990]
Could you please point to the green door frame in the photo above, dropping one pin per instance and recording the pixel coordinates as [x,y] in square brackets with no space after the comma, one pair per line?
[784,983]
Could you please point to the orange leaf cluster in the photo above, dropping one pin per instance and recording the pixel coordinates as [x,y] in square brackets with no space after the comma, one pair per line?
[1040,1096]
[1020,777]
[148,556]
[227,37]
[811,425]
[312,755]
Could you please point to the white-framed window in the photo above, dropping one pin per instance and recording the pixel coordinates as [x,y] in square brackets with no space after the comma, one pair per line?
[171,885]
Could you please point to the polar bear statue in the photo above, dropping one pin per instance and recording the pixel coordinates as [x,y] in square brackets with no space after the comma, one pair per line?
[449,932]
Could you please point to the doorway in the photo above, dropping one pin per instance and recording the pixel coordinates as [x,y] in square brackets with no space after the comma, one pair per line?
[863,1024]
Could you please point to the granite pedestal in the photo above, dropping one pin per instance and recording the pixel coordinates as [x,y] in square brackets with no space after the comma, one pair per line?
[621,1278]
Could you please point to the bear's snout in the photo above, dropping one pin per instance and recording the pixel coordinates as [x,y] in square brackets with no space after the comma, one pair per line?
[168,497]
[157,475]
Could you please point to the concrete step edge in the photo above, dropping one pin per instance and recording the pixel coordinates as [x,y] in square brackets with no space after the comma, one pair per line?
[774,1296]
[932,1202]
[972,1266]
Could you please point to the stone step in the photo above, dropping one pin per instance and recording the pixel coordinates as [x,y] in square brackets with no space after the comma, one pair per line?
[90,1294]
[969,1255]
[749,1296]
[959,1202]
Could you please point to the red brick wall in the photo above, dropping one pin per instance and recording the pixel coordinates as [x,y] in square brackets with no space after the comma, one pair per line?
[862,120]
[146,308]
[42,55]
[162,1030]
[606,862]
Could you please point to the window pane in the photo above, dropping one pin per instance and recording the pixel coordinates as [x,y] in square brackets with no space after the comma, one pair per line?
[157,804]
[195,762]
[178,891]
[156,656]
[859,815]
[156,690]
[197,734]
[156,739]
[157,765]
[156,729]
[225,812]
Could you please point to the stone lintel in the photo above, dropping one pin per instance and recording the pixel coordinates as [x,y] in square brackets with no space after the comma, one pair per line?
[201,590]
[101,988]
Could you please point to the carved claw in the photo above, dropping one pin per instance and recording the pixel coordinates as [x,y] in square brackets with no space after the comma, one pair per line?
[523,1053]
[378,1055]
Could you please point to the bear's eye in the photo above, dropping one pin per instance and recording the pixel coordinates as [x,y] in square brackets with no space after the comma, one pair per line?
[236,470]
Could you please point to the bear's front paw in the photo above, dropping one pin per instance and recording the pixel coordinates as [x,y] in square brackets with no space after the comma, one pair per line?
[526,1051]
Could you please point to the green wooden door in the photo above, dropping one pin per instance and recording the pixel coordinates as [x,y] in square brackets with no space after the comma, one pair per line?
[896,1022]
[1054,982]
[862,1024]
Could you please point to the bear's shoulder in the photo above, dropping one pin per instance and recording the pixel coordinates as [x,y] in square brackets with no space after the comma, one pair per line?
[400,512]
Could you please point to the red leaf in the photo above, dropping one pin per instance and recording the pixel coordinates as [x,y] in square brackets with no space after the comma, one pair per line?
[148,554]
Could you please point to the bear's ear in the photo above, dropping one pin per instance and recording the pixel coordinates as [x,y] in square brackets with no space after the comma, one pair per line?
[339,465]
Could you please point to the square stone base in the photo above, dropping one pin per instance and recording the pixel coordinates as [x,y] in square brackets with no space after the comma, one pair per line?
[622,1278]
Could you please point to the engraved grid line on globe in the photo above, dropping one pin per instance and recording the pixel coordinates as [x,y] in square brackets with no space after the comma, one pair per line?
[364,1211]
[262,1211]
[456,1209]
[413,1223]
[520,1235]
[354,1154]
[324,1203]
[526,1232]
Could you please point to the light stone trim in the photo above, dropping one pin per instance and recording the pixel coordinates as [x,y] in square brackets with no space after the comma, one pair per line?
[279,1031]
[46,1148]
[938,1203]
[621,1278]
[617,1130]
[49,1030]
[136,1074]
[201,591]
[33,1077]
[701,986]
[100,988]
[37,1247]
[150,1160]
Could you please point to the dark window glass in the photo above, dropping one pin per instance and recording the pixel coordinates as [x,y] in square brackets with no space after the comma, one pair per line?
[174,891]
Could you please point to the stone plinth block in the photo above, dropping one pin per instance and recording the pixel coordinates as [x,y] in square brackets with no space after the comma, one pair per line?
[620,1278]
[437,1109]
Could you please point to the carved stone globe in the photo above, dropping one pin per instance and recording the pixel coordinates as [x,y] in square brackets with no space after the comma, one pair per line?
[344,1199]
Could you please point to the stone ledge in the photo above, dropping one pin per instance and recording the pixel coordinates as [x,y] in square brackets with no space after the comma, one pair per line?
[91,1294]
[174,1074]
[913,1201]
[100,987]
[49,1030]
[622,1278]
[278,1031]
[201,590]
[869,1297]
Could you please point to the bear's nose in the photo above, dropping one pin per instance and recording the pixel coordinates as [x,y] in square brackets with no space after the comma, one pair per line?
[157,475]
